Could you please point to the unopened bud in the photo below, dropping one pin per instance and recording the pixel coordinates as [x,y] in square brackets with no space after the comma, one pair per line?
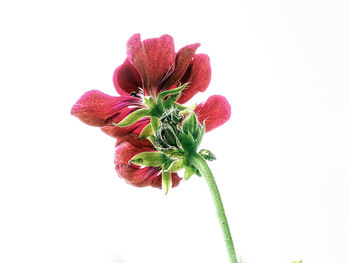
[166,137]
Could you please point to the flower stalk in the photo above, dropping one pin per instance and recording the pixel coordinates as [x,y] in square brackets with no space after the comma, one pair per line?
[205,171]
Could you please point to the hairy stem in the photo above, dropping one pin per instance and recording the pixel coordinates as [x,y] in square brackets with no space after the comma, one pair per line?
[204,169]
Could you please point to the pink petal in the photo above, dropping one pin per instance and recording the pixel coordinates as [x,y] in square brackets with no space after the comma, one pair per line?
[152,58]
[215,112]
[198,76]
[97,108]
[126,148]
[126,79]
[182,61]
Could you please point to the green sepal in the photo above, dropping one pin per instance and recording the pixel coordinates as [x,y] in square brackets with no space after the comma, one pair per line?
[171,102]
[187,143]
[163,94]
[190,124]
[146,131]
[154,124]
[152,139]
[176,166]
[157,110]
[150,159]
[133,117]
[166,178]
[207,155]
[174,153]
[200,136]
[198,173]
[180,107]
[187,110]
[149,101]
[189,171]
[193,129]
[191,137]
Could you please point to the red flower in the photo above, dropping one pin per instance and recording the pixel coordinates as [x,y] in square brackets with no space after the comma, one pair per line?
[152,66]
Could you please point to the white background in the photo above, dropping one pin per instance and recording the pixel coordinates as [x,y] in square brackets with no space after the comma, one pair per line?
[283,158]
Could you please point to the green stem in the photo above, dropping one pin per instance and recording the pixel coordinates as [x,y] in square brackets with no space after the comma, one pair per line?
[204,169]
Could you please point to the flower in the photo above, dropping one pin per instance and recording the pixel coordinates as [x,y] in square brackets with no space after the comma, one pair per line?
[151,67]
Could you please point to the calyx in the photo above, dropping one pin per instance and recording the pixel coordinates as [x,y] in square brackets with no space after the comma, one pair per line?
[174,131]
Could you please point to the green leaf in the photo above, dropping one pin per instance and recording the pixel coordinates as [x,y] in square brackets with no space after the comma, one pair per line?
[207,155]
[176,166]
[189,171]
[163,94]
[166,179]
[146,131]
[155,124]
[150,159]
[133,117]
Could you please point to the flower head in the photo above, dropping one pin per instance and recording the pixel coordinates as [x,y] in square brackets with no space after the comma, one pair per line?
[153,80]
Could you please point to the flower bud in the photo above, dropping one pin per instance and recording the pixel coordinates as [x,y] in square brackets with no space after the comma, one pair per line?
[191,126]
[166,137]
[171,117]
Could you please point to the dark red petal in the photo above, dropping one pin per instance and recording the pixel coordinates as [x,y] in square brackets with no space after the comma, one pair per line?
[182,61]
[215,112]
[126,79]
[135,175]
[96,108]
[198,76]
[152,58]
[134,140]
